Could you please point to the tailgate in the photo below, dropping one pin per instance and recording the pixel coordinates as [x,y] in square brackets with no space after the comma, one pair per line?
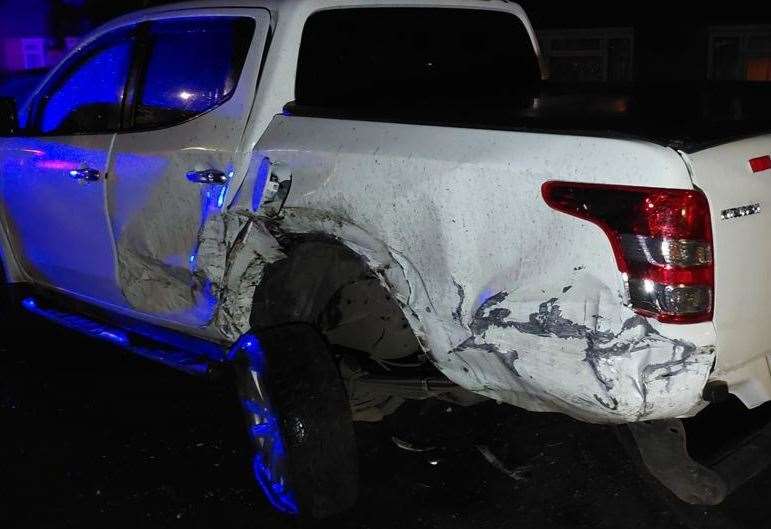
[739,194]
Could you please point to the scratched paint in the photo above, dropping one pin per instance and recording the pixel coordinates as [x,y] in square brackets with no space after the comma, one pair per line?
[493,284]
[501,297]
[507,297]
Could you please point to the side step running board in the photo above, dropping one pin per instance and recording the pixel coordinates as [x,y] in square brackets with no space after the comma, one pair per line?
[191,363]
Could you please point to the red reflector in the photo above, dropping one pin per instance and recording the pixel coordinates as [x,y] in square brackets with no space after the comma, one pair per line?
[760,164]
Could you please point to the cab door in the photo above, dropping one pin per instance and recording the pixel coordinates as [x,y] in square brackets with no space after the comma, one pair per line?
[54,176]
[172,170]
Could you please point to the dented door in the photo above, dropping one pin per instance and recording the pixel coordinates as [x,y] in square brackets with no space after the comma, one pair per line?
[174,170]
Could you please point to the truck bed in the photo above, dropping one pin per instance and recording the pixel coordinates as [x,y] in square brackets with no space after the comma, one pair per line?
[686,116]
[511,299]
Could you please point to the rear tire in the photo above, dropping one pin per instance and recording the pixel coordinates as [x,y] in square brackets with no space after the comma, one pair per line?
[299,420]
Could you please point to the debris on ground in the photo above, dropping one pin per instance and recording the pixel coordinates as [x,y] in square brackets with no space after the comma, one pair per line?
[404,445]
[518,474]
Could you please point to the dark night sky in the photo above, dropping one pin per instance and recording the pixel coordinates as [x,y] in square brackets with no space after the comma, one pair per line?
[670,36]
[561,13]
[554,13]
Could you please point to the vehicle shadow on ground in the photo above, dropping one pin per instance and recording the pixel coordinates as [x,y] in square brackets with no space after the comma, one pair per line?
[93,436]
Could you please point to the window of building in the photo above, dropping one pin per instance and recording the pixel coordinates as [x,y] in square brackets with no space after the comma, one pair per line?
[589,55]
[33,53]
[740,53]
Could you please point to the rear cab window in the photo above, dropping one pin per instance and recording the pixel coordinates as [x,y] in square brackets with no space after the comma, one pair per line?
[410,60]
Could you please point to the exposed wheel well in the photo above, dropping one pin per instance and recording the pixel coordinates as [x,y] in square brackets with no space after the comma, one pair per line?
[325,284]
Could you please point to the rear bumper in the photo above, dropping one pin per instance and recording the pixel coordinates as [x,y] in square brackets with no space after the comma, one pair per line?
[749,381]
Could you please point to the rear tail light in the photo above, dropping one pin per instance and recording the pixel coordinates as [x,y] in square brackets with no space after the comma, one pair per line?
[662,241]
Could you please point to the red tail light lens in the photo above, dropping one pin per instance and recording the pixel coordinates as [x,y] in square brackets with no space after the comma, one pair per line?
[662,241]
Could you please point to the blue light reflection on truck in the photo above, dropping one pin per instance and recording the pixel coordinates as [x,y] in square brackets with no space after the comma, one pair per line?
[263,173]
[279,496]
[212,202]
[97,82]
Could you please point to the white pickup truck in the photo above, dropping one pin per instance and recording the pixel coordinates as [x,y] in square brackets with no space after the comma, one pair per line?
[354,202]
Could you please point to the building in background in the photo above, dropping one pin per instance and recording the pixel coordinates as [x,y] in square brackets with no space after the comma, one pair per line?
[740,53]
[589,55]
[27,41]
[653,40]
[730,53]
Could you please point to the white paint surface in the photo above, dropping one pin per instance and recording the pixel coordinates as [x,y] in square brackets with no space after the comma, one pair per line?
[452,218]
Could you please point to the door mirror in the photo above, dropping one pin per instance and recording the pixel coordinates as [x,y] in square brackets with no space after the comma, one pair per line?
[9,117]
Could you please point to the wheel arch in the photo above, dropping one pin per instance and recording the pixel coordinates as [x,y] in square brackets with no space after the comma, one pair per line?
[354,296]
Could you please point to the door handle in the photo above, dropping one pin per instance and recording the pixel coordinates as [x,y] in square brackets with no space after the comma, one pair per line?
[208,176]
[86,174]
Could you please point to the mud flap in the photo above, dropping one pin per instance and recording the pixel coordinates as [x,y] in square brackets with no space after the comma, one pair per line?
[663,449]
[664,452]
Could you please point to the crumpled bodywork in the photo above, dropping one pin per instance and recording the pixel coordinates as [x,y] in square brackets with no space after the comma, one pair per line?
[508,298]
[606,360]
[580,351]
[234,249]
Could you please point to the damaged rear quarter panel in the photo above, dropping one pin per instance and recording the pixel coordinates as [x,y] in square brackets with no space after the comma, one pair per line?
[513,300]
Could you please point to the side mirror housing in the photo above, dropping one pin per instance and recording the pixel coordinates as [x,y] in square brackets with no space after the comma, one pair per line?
[9,117]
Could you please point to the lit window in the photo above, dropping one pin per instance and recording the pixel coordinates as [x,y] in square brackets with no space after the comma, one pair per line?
[589,55]
[740,53]
[33,53]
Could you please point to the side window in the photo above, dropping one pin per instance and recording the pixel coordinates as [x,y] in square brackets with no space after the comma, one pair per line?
[86,97]
[193,66]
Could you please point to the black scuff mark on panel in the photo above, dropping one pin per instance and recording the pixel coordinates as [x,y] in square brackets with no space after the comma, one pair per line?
[457,314]
[683,355]
[471,343]
[483,319]
[507,358]
[601,346]
[612,405]
[548,321]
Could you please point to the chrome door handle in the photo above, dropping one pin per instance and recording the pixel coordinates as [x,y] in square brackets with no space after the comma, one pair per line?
[208,176]
[86,174]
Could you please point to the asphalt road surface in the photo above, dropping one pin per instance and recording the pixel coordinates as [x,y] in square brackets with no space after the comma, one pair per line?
[93,437]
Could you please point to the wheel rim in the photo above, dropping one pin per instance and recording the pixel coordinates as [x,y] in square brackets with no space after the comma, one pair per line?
[269,462]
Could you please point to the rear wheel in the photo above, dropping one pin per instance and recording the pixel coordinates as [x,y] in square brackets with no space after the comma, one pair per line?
[299,422]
